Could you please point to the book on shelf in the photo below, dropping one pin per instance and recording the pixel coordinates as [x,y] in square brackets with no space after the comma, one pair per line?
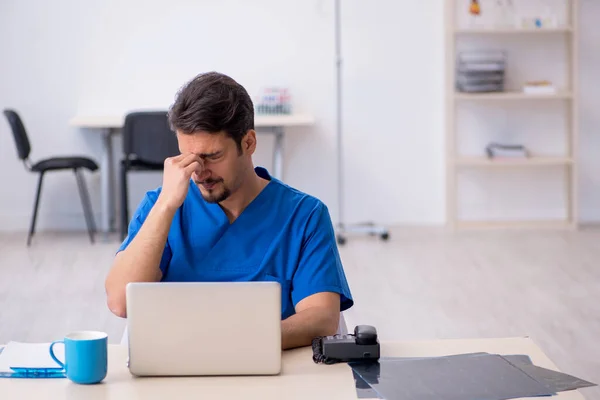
[506,151]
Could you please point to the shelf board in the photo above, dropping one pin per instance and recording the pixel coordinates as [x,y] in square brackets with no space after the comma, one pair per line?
[511,163]
[512,31]
[511,96]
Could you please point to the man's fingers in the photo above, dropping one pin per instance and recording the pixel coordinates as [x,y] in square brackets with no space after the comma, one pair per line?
[193,166]
[179,157]
[174,160]
[188,159]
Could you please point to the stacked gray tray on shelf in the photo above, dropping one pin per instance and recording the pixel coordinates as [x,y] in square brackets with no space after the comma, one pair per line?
[480,71]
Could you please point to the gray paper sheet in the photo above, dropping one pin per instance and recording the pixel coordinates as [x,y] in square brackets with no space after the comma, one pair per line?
[553,380]
[363,389]
[557,381]
[461,377]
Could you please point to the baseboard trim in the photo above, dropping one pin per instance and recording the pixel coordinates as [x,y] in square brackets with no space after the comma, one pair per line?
[47,222]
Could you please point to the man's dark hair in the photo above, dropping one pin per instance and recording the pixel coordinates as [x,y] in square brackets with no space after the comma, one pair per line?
[213,102]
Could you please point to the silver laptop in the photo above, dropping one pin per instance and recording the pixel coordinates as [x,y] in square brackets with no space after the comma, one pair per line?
[195,329]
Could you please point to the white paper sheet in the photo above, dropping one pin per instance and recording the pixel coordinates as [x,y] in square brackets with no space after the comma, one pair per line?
[30,355]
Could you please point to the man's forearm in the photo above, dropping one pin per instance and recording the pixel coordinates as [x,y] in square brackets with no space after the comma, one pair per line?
[301,328]
[141,260]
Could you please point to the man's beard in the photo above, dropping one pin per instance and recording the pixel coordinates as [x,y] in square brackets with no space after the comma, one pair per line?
[212,196]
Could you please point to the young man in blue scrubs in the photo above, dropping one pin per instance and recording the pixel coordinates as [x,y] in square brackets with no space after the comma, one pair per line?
[218,218]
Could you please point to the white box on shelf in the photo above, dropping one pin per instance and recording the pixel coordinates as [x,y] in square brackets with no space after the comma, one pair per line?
[539,89]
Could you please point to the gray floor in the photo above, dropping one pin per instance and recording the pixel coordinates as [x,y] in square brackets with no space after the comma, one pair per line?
[423,283]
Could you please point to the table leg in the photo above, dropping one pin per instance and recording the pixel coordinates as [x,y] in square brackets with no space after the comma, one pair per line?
[106,182]
[278,153]
[112,212]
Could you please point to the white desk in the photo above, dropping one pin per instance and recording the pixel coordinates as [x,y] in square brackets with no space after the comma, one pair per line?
[107,125]
[300,377]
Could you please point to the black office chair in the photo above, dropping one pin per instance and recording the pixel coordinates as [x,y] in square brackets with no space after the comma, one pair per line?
[147,141]
[52,164]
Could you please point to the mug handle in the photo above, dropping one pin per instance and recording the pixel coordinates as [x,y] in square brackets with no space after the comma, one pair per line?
[52,353]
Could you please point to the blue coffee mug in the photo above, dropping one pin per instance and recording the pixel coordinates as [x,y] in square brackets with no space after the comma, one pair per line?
[86,358]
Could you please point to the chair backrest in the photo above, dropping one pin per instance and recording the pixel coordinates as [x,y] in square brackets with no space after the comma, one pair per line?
[19,133]
[148,137]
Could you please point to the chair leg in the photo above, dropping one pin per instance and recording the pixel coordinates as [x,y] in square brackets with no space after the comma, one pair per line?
[35,209]
[86,204]
[124,201]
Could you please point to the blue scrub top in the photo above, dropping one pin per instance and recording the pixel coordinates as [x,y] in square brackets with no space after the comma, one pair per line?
[283,235]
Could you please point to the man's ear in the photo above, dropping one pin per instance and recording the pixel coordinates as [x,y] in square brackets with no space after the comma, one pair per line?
[249,142]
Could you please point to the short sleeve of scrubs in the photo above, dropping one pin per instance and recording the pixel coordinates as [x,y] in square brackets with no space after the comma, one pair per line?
[136,223]
[319,267]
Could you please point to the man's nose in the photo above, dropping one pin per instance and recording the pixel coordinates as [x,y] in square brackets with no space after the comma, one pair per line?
[203,175]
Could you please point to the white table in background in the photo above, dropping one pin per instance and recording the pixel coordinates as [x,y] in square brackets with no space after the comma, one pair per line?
[300,377]
[107,125]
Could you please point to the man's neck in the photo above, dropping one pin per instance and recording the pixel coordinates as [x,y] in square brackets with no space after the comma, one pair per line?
[236,203]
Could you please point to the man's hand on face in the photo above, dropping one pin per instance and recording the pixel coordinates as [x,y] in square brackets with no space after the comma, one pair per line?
[176,178]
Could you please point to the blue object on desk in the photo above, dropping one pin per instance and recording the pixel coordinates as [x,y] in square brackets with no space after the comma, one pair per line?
[34,373]
[86,356]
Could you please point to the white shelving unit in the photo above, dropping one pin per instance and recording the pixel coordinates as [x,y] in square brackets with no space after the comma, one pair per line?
[530,162]
[457,162]
[516,31]
[513,96]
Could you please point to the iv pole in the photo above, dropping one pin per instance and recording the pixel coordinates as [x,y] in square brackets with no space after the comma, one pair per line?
[368,228]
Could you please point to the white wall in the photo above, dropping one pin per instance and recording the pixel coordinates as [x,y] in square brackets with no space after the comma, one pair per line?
[66,57]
